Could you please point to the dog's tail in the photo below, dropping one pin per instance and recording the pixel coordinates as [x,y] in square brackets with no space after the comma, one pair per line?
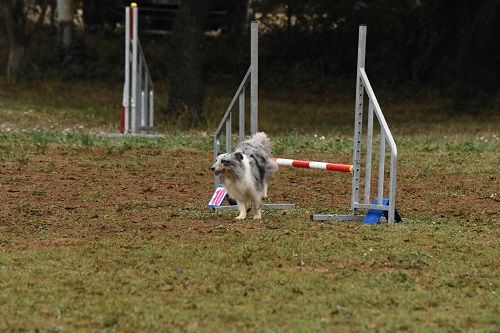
[262,138]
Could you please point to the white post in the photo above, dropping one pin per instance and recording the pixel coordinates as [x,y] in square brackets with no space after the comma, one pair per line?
[145,103]
[358,121]
[228,135]
[143,109]
[369,140]
[392,188]
[381,166]
[126,87]
[241,115]
[134,68]
[254,77]
[151,108]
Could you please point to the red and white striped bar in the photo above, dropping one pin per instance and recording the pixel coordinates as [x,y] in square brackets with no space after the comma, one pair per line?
[314,165]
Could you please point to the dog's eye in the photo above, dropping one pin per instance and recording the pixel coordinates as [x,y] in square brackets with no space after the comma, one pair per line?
[225,162]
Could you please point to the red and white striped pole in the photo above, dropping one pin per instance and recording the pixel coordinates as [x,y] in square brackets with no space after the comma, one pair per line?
[314,165]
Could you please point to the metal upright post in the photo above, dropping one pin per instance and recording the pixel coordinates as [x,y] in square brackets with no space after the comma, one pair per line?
[381,166]
[216,153]
[145,105]
[369,141]
[358,121]
[241,115]
[126,87]
[228,135]
[134,68]
[254,77]
[392,188]
[151,108]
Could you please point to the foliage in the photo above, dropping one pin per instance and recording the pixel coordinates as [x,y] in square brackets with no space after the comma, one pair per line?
[413,46]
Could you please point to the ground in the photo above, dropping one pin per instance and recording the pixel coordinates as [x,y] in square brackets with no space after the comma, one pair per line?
[102,234]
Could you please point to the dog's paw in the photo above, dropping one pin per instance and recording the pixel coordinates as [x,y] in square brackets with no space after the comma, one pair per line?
[257,217]
[239,217]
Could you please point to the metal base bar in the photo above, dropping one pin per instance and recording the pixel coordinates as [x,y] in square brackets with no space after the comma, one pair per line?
[371,206]
[265,206]
[331,217]
[135,135]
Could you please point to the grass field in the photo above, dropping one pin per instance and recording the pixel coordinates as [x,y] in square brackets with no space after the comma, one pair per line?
[113,235]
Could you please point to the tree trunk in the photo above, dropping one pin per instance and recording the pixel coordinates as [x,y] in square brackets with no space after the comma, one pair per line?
[16,55]
[186,60]
[14,18]
[65,22]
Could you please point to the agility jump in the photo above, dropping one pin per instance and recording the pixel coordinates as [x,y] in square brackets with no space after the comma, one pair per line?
[138,91]
[379,205]
[314,165]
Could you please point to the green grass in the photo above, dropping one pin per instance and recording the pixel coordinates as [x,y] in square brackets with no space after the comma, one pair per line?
[93,239]
[289,275]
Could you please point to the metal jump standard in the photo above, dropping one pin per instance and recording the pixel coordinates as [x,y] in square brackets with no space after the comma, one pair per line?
[138,90]
[363,88]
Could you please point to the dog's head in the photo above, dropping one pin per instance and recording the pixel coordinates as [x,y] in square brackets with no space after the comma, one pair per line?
[226,163]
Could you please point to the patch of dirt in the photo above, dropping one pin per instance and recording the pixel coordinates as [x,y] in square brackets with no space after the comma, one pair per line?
[86,193]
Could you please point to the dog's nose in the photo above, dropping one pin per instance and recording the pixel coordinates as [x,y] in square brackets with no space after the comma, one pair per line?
[212,168]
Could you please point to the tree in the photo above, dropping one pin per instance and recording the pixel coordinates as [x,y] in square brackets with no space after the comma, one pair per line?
[20,30]
[186,61]
[65,22]
[15,22]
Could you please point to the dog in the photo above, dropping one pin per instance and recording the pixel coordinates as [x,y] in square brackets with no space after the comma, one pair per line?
[246,173]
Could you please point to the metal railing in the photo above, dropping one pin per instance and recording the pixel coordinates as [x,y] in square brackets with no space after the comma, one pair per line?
[385,139]
[138,89]
[363,86]
[226,122]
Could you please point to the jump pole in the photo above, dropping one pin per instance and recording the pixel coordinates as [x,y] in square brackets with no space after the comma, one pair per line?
[313,165]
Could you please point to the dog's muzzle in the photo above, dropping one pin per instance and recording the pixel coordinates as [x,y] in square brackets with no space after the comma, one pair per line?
[216,172]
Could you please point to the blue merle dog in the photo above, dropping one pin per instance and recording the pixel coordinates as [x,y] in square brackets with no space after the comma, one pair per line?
[246,173]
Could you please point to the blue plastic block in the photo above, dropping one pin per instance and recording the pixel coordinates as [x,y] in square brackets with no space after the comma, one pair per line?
[373,216]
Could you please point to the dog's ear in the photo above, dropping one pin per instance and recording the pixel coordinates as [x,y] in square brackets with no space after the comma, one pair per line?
[238,156]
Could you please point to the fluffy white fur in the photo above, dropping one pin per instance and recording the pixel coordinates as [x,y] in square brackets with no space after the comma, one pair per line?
[246,174]
[242,190]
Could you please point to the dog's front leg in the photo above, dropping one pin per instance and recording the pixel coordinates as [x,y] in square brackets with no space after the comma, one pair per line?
[257,205]
[243,211]
[264,196]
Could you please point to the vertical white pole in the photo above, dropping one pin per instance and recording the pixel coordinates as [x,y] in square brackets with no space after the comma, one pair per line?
[126,88]
[134,69]
[254,77]
[369,140]
[143,109]
[140,88]
[151,108]
[228,134]
[216,153]
[381,166]
[145,105]
[358,119]
[241,115]
[392,188]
